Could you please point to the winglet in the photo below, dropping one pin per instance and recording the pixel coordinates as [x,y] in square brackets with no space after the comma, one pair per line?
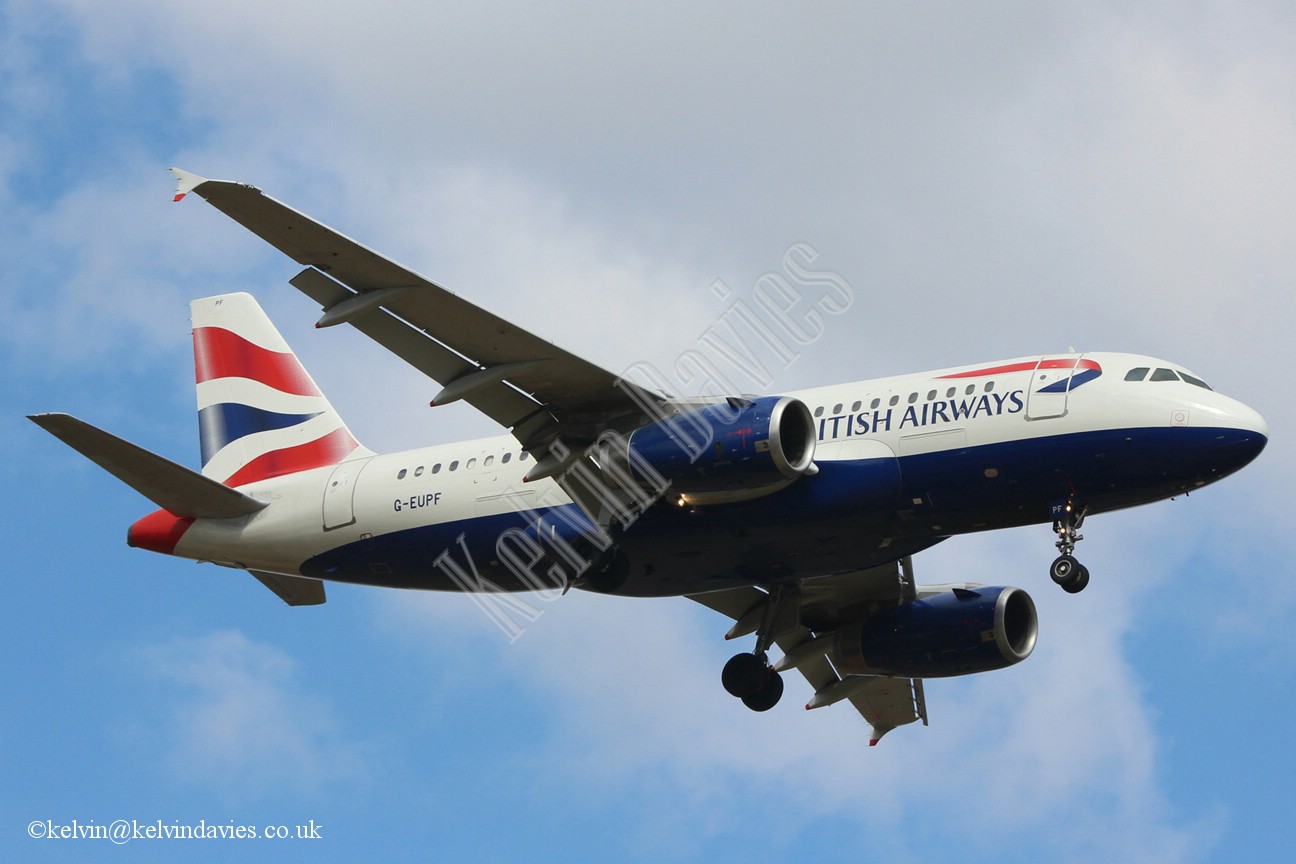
[188,182]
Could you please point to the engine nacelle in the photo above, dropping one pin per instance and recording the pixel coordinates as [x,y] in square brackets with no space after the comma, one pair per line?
[730,449]
[959,632]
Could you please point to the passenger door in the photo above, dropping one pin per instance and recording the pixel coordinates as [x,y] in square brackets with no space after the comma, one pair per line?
[1050,386]
[339,494]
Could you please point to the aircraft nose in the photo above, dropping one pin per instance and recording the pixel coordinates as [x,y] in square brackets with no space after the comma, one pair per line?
[1254,422]
[1251,435]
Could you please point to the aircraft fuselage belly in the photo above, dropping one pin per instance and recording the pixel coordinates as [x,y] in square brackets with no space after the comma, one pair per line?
[672,550]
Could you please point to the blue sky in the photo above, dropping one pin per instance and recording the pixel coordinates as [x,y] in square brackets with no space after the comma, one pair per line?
[994,181]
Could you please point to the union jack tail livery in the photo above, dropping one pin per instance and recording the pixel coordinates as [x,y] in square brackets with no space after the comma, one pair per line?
[260,415]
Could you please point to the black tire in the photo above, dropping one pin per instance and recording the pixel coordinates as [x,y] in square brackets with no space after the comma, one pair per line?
[768,695]
[1078,580]
[1063,569]
[743,675]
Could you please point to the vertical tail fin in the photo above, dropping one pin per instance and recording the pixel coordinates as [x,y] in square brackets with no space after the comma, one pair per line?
[259,413]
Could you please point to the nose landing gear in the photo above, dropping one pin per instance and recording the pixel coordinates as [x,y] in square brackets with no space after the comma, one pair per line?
[1066,571]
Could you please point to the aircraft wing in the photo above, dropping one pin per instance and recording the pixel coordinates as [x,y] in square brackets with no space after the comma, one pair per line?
[825,604]
[523,382]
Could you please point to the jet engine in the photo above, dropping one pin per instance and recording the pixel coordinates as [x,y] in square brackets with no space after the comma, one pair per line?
[738,448]
[957,632]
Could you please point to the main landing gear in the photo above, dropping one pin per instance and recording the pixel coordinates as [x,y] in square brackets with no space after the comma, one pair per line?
[750,677]
[1066,570]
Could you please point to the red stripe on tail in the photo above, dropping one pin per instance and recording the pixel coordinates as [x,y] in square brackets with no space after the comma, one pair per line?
[329,450]
[220,353]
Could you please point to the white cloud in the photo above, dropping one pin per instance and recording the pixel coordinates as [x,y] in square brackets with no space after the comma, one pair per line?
[240,722]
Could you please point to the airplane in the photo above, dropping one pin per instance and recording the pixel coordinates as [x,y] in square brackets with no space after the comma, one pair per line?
[796,515]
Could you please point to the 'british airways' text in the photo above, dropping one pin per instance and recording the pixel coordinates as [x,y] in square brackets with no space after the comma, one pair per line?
[917,416]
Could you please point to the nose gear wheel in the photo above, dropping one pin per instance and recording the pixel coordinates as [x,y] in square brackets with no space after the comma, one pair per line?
[1070,574]
[1065,570]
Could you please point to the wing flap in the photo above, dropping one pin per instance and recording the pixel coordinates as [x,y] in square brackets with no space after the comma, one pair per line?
[503,404]
[179,490]
[889,702]
[446,323]
[826,603]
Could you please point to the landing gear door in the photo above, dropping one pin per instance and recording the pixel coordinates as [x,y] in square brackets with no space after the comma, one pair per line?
[339,494]
[1051,386]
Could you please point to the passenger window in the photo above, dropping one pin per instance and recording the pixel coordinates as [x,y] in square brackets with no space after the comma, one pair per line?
[1194,380]
[989,386]
[504,460]
[819,411]
[1164,375]
[971,388]
[488,461]
[875,403]
[837,408]
[931,395]
[913,397]
[454,465]
[418,472]
[1138,373]
[472,463]
[436,469]
[400,475]
[523,456]
[949,394]
[856,407]
[895,400]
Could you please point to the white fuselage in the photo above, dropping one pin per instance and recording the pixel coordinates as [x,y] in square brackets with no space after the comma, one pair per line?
[965,424]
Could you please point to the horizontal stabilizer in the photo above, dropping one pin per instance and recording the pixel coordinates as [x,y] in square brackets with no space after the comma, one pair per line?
[173,487]
[293,590]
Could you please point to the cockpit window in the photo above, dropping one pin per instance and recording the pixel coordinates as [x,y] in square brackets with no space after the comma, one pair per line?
[1139,373]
